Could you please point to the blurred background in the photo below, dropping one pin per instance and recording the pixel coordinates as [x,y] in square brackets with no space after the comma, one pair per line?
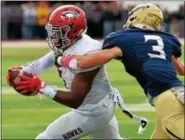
[26,20]
[23,40]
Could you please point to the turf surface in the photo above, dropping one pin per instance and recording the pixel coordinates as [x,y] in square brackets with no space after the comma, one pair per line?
[25,117]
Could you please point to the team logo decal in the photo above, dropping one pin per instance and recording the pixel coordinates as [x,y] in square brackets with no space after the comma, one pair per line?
[69,15]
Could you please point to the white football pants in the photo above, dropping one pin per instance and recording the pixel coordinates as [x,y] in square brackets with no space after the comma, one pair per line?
[75,125]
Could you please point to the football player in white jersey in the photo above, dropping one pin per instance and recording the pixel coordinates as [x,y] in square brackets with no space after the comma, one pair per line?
[90,93]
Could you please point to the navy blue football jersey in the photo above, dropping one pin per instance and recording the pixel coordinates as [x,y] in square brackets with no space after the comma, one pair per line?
[147,56]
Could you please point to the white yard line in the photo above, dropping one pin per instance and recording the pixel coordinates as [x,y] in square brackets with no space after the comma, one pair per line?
[10,91]
[24,44]
[25,125]
[146,107]
[45,124]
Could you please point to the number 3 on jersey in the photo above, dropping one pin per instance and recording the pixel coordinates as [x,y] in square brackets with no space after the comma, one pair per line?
[157,48]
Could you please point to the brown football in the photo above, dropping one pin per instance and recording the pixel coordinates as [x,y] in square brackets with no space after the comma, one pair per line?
[14,78]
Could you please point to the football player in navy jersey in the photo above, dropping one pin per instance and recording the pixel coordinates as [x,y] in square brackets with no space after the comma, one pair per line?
[152,57]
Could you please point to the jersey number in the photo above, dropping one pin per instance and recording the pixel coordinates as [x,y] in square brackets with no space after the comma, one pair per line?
[157,48]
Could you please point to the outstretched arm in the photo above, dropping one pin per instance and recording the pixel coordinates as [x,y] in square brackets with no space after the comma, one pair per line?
[37,66]
[178,65]
[92,60]
[40,65]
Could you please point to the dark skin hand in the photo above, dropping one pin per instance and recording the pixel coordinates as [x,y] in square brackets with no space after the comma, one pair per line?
[81,85]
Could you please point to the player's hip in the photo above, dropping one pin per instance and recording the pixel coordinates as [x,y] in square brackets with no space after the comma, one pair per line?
[154,90]
[170,102]
[169,107]
[74,125]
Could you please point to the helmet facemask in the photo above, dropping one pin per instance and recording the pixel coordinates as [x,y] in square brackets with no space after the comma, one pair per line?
[57,37]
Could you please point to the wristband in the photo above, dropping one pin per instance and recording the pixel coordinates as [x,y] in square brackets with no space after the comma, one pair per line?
[48,91]
[73,64]
[67,60]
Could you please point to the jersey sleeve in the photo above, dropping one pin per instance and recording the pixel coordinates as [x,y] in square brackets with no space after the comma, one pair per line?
[177,48]
[40,65]
[111,41]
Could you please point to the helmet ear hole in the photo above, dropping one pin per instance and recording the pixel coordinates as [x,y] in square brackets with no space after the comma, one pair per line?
[132,18]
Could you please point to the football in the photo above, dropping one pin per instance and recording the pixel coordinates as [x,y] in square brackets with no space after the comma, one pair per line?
[14,78]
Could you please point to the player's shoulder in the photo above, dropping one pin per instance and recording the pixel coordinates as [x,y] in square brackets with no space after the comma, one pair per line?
[85,45]
[172,37]
[116,38]
[124,35]
[168,38]
[90,42]
[129,34]
[115,34]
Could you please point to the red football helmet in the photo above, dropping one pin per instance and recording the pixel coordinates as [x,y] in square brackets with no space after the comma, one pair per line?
[66,25]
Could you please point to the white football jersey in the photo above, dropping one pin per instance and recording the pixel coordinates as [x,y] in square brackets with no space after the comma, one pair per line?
[98,96]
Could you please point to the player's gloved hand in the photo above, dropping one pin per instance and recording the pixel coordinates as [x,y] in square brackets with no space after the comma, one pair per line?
[8,80]
[29,84]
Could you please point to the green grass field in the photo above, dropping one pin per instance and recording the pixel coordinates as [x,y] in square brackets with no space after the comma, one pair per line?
[26,117]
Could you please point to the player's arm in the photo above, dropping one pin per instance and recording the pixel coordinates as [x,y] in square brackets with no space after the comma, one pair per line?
[177,52]
[37,66]
[92,60]
[40,65]
[81,85]
[178,65]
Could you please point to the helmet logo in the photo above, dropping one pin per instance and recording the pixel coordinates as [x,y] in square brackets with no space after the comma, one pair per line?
[69,15]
